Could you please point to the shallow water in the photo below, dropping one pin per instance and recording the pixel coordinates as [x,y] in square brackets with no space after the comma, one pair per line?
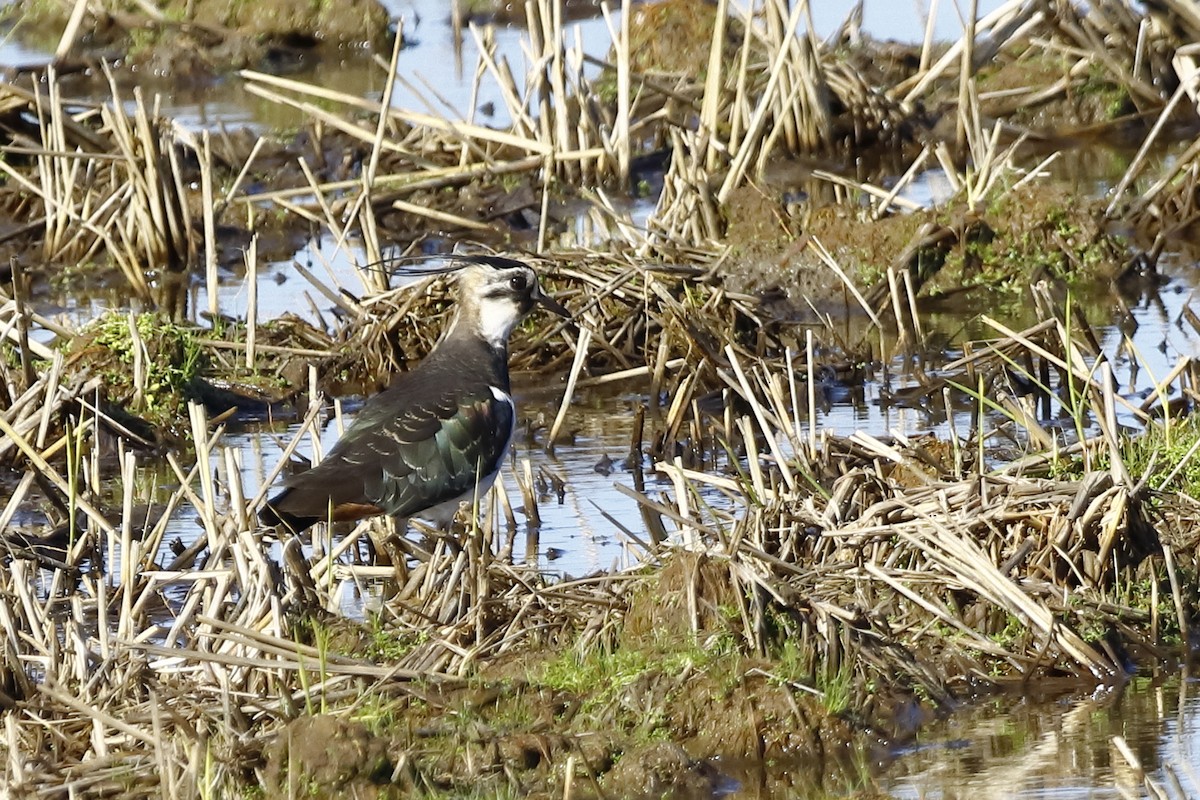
[1012,748]
[1066,747]
[438,69]
[1061,749]
[575,538]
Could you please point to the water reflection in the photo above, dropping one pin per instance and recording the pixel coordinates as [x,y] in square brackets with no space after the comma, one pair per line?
[576,530]
[575,482]
[446,85]
[436,74]
[1063,748]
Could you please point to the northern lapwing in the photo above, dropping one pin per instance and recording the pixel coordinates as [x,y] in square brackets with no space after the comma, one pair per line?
[439,433]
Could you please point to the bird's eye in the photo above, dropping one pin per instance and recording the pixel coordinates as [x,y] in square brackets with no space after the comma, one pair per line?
[518,283]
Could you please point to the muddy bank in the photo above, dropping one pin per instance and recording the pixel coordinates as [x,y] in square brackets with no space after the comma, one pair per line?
[616,709]
[199,41]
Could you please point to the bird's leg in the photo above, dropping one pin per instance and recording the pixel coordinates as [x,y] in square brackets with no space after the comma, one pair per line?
[385,548]
[442,530]
[384,542]
[296,568]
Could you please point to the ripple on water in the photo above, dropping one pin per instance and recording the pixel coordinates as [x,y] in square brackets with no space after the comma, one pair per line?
[1057,747]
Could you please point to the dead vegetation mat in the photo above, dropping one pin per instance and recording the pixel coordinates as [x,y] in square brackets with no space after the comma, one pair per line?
[850,586]
[806,629]
[854,580]
[856,587]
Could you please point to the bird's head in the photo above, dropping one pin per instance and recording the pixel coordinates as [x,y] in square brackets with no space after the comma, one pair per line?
[495,293]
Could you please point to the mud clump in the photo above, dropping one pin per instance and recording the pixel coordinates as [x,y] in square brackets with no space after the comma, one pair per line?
[1091,100]
[746,715]
[672,36]
[992,251]
[324,756]
[190,40]
[686,598]
[662,769]
[148,365]
[356,21]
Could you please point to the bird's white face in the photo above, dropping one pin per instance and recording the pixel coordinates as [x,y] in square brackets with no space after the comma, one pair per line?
[495,300]
[497,318]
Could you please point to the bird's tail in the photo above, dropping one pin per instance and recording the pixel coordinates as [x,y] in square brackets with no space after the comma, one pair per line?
[273,517]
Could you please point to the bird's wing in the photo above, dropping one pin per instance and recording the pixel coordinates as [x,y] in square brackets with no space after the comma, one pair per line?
[406,452]
[466,445]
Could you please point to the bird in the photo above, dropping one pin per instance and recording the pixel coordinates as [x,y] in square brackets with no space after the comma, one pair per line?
[438,434]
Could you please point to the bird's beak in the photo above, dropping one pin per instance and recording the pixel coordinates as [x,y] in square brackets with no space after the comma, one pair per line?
[551,304]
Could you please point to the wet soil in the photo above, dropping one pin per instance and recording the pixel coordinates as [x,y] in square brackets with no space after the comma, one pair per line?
[671,37]
[191,41]
[326,756]
[652,711]
[1045,231]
